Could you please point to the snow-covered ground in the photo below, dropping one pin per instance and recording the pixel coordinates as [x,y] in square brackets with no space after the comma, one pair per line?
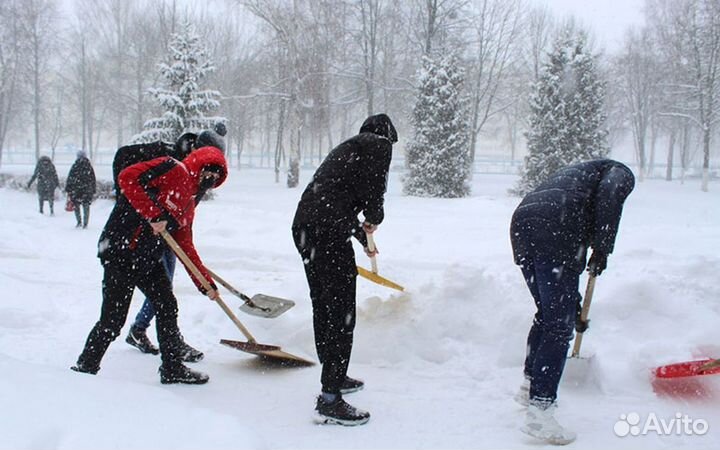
[441,362]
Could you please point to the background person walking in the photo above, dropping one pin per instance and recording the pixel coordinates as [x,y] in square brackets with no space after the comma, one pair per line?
[80,188]
[47,182]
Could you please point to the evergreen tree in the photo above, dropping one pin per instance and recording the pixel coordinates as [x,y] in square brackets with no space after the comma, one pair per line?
[438,156]
[185,106]
[567,117]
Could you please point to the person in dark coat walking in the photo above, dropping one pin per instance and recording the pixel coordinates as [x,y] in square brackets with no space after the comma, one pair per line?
[577,208]
[130,154]
[80,187]
[351,180]
[47,182]
[158,195]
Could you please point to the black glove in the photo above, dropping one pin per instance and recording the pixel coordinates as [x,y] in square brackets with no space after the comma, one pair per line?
[581,326]
[597,263]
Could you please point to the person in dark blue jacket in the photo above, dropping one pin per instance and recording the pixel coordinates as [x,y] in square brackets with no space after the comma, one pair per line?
[577,208]
[351,180]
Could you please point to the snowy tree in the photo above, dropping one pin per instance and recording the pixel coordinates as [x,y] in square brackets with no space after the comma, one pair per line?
[567,118]
[184,104]
[438,156]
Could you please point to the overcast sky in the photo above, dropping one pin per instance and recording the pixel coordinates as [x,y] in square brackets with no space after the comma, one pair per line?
[608,19]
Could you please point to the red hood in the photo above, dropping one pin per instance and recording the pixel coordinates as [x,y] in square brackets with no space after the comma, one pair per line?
[206,156]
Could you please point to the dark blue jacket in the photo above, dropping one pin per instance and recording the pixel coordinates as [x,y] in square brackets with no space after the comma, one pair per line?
[577,207]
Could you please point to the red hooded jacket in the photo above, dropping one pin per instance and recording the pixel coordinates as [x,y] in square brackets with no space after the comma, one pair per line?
[164,189]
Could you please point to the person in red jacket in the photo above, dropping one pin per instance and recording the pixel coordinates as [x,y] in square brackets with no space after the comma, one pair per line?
[160,194]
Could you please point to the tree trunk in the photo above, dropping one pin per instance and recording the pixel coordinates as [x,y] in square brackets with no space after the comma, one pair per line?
[639,137]
[671,150]
[279,140]
[706,157]
[654,131]
[36,96]
[684,152]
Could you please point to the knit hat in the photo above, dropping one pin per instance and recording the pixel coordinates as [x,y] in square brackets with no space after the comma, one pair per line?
[209,138]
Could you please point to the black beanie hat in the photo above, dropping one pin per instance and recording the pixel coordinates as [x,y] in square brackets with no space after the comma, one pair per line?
[210,138]
[220,128]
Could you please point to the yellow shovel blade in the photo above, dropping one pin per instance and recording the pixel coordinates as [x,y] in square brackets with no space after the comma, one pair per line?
[375,278]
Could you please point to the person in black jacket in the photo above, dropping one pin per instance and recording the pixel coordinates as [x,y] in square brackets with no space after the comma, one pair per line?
[158,195]
[577,208]
[47,181]
[352,179]
[81,187]
[131,154]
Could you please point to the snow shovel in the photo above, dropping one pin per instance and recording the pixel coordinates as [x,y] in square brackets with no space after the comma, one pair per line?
[688,380]
[373,276]
[579,371]
[260,305]
[251,346]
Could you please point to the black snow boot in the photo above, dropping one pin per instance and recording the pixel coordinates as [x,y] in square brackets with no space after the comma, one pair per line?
[138,338]
[351,385]
[189,354]
[85,368]
[339,412]
[176,372]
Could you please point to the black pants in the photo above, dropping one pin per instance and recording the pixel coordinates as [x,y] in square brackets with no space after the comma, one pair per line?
[85,212]
[120,279]
[50,200]
[331,273]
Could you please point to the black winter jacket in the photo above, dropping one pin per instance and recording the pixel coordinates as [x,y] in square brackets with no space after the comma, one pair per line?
[81,183]
[47,179]
[352,179]
[577,207]
[160,189]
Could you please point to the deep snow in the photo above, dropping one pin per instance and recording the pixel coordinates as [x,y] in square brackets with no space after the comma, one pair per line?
[441,362]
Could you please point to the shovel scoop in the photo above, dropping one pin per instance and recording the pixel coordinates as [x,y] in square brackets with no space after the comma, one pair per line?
[373,275]
[690,380]
[271,352]
[259,305]
[582,371]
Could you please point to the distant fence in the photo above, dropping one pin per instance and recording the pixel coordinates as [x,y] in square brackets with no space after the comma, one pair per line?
[62,157]
[482,165]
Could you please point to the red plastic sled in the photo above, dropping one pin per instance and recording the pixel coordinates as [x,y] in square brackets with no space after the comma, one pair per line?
[686,380]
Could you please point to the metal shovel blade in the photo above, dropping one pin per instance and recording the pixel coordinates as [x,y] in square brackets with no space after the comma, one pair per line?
[272,352]
[259,305]
[581,372]
[262,305]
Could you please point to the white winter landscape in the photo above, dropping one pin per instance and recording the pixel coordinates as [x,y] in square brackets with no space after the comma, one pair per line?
[441,361]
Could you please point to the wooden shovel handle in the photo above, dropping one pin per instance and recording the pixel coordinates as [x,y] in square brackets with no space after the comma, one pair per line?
[710,365]
[371,247]
[205,284]
[584,313]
